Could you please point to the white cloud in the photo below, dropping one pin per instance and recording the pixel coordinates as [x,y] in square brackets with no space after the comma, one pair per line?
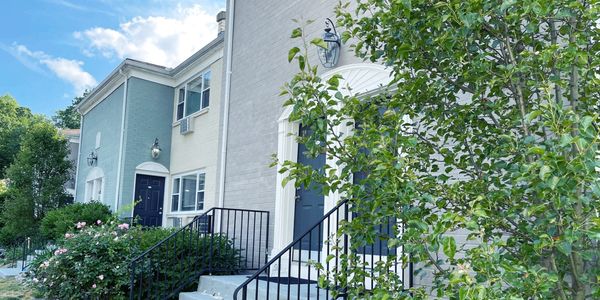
[70,71]
[156,39]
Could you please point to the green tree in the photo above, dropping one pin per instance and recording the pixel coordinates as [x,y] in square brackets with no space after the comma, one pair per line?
[69,117]
[36,180]
[15,120]
[489,128]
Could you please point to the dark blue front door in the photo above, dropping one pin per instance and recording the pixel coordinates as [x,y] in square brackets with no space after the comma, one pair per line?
[149,191]
[309,202]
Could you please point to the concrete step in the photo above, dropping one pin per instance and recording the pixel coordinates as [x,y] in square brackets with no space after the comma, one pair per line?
[223,287]
[198,296]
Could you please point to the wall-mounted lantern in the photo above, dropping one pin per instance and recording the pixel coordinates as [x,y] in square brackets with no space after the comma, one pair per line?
[155,149]
[92,159]
[329,56]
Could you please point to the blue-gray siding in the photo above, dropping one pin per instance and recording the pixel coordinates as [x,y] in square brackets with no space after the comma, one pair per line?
[106,119]
[149,115]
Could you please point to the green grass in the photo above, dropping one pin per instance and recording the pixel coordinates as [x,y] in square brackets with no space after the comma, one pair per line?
[10,288]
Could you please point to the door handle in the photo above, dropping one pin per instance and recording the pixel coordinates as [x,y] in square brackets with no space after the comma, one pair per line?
[297,198]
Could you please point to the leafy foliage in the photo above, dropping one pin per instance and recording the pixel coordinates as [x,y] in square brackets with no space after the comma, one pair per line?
[488,130]
[37,179]
[94,261]
[15,120]
[69,117]
[62,220]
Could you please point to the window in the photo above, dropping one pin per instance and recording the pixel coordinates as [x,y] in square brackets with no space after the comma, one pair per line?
[93,190]
[193,96]
[188,192]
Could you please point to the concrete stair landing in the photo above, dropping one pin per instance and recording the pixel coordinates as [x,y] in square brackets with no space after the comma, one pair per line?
[223,287]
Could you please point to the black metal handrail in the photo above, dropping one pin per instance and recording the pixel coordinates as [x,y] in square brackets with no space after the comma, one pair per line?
[21,252]
[291,274]
[29,249]
[219,241]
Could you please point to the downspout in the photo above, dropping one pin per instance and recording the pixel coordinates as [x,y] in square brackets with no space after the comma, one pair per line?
[78,154]
[122,140]
[224,134]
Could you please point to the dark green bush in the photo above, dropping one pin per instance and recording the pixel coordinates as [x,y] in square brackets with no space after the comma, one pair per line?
[60,221]
[151,236]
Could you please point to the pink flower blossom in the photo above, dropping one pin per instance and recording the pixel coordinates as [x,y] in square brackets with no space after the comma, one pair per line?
[69,235]
[94,286]
[98,222]
[123,226]
[60,251]
[80,225]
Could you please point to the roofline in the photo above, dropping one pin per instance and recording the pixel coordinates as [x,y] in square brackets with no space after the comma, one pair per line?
[169,73]
[203,51]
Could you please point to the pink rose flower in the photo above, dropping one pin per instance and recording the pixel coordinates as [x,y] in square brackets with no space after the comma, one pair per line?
[69,235]
[60,251]
[98,222]
[94,286]
[123,226]
[80,225]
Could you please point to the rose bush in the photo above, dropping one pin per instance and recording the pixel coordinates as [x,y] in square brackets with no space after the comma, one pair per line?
[93,262]
[90,263]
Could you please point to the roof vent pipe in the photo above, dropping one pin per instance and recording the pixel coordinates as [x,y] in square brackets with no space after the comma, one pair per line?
[221,16]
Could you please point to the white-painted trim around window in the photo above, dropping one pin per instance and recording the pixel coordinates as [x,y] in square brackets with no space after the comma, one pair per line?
[194,115]
[180,176]
[93,176]
[184,85]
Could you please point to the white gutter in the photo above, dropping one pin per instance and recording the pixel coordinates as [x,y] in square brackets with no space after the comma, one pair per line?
[78,156]
[122,140]
[223,156]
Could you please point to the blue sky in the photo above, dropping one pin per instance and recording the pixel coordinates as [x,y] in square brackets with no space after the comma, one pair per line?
[51,50]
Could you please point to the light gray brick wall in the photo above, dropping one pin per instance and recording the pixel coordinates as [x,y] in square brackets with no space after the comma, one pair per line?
[261,41]
[259,69]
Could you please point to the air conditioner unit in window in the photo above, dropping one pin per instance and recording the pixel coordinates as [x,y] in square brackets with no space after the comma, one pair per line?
[185,126]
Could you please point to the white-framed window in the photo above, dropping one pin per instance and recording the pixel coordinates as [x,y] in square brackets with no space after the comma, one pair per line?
[188,192]
[93,190]
[193,96]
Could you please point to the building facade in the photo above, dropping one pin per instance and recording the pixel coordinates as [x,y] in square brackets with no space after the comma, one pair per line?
[149,139]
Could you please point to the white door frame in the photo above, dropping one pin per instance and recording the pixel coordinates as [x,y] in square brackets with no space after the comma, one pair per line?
[362,78]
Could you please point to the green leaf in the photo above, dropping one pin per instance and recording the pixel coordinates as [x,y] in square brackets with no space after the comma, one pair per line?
[449,246]
[544,172]
[564,247]
[319,42]
[553,182]
[301,62]
[293,53]
[506,5]
[586,122]
[296,33]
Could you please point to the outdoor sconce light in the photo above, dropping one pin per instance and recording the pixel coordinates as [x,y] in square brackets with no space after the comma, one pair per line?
[155,149]
[92,159]
[329,56]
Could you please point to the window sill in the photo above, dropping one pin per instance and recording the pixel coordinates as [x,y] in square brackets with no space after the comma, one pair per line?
[194,115]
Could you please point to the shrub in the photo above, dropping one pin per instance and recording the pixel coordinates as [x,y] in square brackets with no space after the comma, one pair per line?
[90,263]
[94,261]
[60,221]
